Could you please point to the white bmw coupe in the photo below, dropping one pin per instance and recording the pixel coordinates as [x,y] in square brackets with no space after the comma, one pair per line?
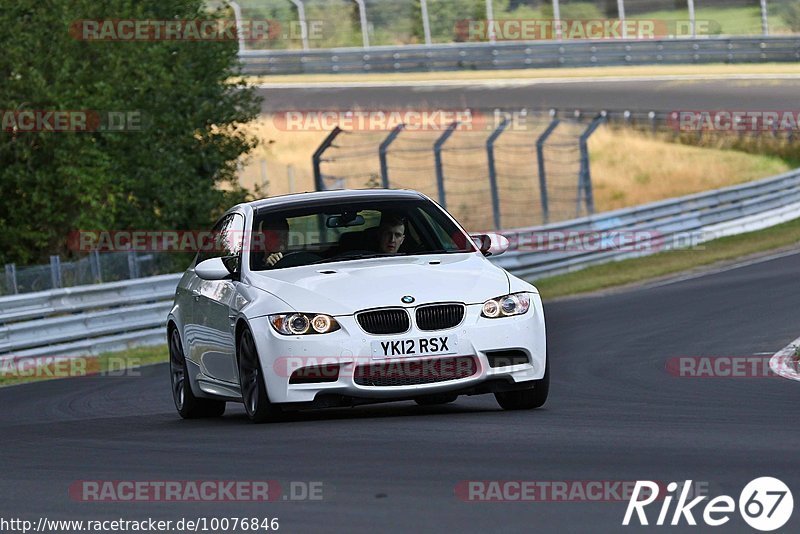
[340,298]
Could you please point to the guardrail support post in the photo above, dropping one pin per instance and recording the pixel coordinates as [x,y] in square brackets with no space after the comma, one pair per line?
[11,278]
[585,180]
[382,153]
[55,271]
[493,172]
[437,156]
[317,157]
[542,176]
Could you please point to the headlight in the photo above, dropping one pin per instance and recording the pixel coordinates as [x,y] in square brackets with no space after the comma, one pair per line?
[297,324]
[506,306]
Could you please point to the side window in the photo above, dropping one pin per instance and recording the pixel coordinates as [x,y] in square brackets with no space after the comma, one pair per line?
[226,237]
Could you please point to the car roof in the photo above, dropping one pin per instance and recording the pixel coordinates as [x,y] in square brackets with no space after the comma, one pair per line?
[338,194]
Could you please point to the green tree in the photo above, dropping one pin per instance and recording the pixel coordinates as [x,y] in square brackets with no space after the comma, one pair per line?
[178,171]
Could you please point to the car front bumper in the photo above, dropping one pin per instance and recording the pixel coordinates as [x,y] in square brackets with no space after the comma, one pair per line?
[350,347]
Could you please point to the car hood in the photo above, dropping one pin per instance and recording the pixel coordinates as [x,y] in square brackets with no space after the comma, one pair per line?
[342,288]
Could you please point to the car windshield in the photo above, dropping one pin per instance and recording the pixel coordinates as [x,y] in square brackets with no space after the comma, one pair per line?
[314,233]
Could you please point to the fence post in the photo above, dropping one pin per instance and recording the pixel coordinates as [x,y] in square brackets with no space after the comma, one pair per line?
[493,172]
[55,271]
[133,265]
[764,18]
[11,278]
[542,176]
[621,15]
[94,266]
[301,16]
[557,19]
[692,21]
[362,15]
[237,15]
[437,156]
[426,22]
[382,153]
[490,20]
[317,157]
[585,179]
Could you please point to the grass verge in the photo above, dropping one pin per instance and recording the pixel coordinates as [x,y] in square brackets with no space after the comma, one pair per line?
[23,370]
[643,71]
[635,270]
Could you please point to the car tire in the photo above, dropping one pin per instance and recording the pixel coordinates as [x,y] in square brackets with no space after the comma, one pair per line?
[188,405]
[251,381]
[527,399]
[434,400]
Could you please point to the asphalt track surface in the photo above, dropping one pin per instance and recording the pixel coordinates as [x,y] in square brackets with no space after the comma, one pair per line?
[614,414]
[637,95]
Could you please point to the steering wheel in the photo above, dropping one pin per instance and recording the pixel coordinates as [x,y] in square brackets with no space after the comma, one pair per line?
[296,258]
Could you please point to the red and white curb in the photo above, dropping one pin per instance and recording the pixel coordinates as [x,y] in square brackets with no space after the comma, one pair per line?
[785,363]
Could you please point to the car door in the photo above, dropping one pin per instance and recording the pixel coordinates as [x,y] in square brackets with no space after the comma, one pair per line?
[214,345]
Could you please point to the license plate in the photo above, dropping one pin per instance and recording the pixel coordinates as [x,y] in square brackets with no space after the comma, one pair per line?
[419,346]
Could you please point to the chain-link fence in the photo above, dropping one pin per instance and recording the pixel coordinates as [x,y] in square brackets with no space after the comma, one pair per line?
[527,169]
[321,24]
[93,268]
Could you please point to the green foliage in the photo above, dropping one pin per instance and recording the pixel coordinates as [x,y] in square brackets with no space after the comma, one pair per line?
[790,12]
[179,171]
[574,11]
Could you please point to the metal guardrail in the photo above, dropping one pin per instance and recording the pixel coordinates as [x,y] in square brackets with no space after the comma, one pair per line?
[107,317]
[522,55]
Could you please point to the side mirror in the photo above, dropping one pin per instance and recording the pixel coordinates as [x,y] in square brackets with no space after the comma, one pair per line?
[212,269]
[490,244]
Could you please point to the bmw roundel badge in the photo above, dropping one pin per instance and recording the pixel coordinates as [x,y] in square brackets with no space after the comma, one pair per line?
[408,299]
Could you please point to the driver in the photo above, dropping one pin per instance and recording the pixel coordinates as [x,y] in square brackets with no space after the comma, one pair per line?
[276,240]
[391,233]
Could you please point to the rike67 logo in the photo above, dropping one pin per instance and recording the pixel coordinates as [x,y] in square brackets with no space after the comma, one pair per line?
[765,504]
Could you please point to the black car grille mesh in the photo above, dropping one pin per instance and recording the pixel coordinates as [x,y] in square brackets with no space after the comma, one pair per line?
[388,321]
[409,373]
[439,316]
